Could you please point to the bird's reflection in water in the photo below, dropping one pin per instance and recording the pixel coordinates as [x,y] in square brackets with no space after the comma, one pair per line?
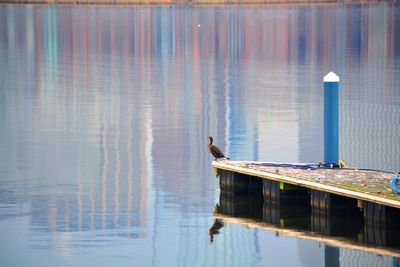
[214,230]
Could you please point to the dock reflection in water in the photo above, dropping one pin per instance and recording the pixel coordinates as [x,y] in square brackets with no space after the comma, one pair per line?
[335,229]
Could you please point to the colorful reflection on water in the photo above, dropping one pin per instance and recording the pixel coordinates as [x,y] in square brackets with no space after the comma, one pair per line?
[105,113]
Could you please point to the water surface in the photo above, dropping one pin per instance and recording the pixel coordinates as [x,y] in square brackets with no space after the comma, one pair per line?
[105,113]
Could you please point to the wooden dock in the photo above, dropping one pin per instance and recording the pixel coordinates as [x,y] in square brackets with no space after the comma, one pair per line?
[362,185]
[341,207]
[332,191]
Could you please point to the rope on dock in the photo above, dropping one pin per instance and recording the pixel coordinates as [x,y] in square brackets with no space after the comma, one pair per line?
[394,184]
[312,166]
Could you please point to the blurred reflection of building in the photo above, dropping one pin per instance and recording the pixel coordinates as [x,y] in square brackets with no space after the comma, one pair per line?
[106,152]
[251,79]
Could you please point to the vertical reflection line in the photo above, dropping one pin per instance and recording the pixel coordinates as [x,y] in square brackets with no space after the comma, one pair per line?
[92,207]
[149,163]
[117,171]
[79,201]
[142,31]
[228,116]
[126,51]
[30,47]
[67,215]
[75,68]
[104,171]
[65,246]
[130,166]
[52,217]
[114,82]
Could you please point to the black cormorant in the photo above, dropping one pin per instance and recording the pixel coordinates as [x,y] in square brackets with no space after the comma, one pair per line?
[215,151]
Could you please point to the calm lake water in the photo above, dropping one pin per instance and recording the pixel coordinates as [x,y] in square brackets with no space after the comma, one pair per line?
[105,113]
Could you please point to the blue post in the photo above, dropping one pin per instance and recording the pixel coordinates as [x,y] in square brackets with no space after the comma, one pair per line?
[331,118]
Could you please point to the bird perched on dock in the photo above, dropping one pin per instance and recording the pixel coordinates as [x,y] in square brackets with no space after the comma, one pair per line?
[215,151]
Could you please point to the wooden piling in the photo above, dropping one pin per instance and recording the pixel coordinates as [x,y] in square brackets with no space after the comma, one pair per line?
[274,191]
[238,183]
[328,203]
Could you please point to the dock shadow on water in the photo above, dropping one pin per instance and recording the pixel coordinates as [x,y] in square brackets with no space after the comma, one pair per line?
[292,214]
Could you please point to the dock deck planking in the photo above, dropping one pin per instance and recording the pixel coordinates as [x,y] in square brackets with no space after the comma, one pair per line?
[360,184]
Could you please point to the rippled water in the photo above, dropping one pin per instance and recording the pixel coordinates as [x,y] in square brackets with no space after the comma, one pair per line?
[105,113]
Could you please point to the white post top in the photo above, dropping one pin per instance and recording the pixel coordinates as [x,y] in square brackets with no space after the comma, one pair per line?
[331,77]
